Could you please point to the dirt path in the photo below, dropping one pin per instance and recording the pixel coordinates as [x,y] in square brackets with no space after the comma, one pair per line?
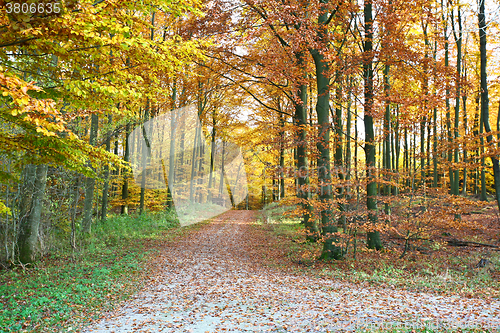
[214,281]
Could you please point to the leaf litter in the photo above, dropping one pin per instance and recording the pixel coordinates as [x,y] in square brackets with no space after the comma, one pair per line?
[215,280]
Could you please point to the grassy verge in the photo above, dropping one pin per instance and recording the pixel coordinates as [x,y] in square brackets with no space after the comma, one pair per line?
[67,290]
[445,271]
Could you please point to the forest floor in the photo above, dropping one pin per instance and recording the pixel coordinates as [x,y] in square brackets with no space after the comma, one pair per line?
[232,274]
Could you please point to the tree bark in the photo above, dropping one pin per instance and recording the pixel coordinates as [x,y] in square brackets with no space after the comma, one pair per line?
[328,226]
[221,182]
[126,158]
[146,150]
[373,237]
[485,98]
[458,42]
[104,204]
[338,161]
[170,182]
[387,136]
[304,191]
[211,179]
[88,206]
[35,179]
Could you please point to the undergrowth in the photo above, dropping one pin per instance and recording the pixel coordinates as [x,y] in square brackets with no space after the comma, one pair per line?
[445,270]
[68,288]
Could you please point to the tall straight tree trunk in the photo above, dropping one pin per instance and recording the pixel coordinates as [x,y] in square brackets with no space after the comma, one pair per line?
[116,172]
[458,42]
[211,179]
[373,237]
[126,158]
[73,211]
[90,182]
[423,123]
[466,131]
[35,180]
[406,157]
[171,154]
[388,149]
[146,150]
[105,191]
[397,148]
[485,98]
[483,196]
[338,162]
[380,152]
[414,154]
[193,164]
[200,167]
[304,193]
[275,190]
[221,182]
[435,176]
[181,145]
[447,102]
[387,135]
[282,158]
[328,225]
[196,149]
[348,159]
[422,150]
[356,140]
[475,133]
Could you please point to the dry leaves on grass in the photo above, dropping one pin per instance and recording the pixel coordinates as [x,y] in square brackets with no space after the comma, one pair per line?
[214,280]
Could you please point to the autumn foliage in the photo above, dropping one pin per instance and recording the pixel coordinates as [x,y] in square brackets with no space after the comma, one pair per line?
[367,118]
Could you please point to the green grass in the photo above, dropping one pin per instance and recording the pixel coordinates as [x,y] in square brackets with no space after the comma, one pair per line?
[67,289]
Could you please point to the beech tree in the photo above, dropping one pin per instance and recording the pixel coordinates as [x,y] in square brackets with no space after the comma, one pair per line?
[485,98]
[54,51]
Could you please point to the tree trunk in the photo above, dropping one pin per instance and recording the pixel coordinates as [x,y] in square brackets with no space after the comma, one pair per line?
[282,159]
[458,42]
[373,237]
[328,225]
[483,196]
[221,183]
[451,173]
[200,167]
[104,204]
[348,157]
[422,151]
[338,161]
[304,192]
[387,136]
[485,98]
[193,164]
[211,180]
[406,157]
[126,158]
[475,133]
[170,181]
[466,132]
[146,150]
[116,172]
[356,140]
[74,209]
[90,182]
[398,149]
[35,179]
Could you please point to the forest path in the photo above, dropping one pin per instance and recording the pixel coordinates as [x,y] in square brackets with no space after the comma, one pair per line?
[214,280]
